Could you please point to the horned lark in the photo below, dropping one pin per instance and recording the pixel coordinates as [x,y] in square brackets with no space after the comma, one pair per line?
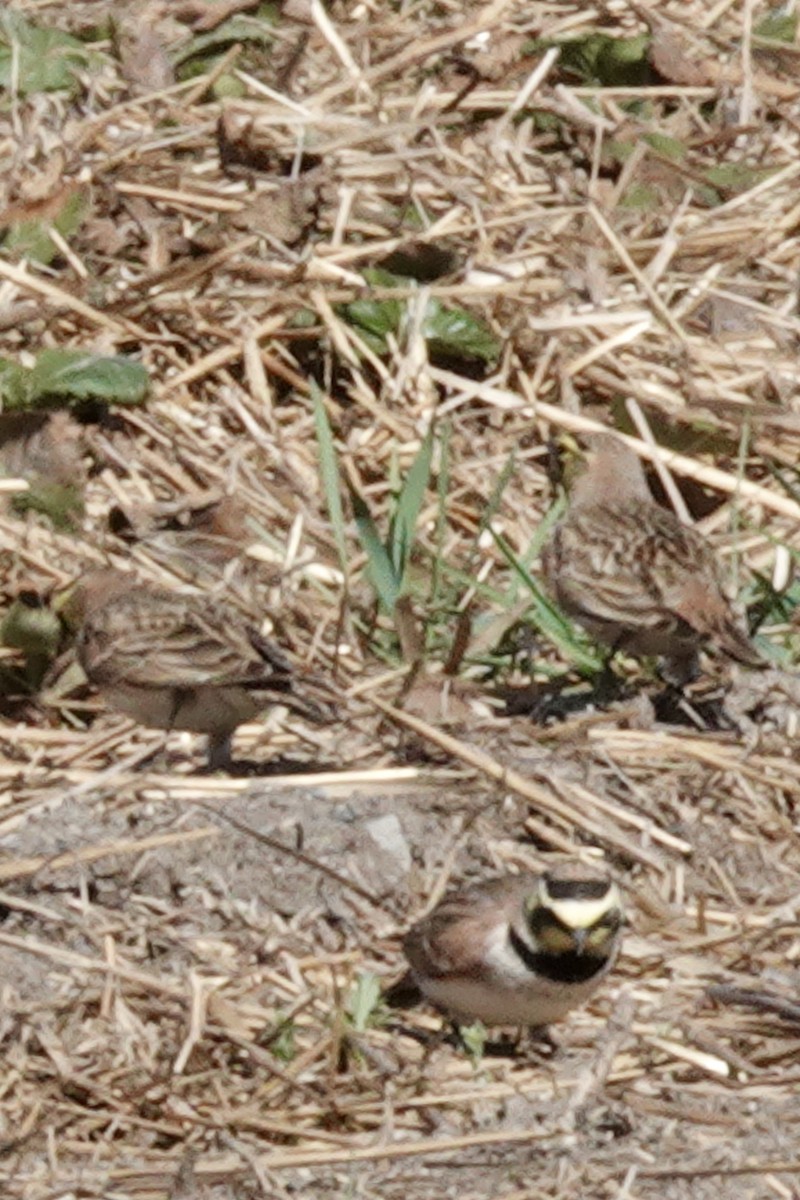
[175,661]
[522,950]
[633,575]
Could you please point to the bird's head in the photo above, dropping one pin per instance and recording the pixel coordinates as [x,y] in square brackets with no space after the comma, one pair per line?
[575,911]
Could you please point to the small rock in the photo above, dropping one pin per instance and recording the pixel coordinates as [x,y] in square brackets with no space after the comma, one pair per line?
[387,833]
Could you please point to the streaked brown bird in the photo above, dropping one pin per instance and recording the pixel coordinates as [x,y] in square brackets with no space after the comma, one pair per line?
[520,950]
[174,661]
[633,575]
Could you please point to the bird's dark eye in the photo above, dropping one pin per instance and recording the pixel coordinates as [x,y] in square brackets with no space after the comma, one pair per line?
[612,920]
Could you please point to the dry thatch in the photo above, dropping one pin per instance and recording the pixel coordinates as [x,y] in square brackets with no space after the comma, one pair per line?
[184,957]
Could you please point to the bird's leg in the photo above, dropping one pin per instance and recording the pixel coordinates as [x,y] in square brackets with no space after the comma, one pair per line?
[537,1043]
[219,752]
[432,1041]
[607,683]
[673,704]
[679,669]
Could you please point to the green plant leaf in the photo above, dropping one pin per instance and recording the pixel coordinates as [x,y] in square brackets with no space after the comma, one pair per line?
[669,147]
[364,1002]
[608,61]
[31,239]
[383,577]
[73,375]
[447,330]
[36,59]
[228,87]
[558,630]
[641,197]
[777,26]
[329,472]
[283,1045]
[456,331]
[409,502]
[36,631]
[474,1038]
[737,177]
[193,58]
[80,376]
[619,150]
[62,503]
[442,492]
[13,385]
[377,317]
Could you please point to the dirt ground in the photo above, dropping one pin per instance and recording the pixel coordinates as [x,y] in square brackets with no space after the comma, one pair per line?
[143,991]
[190,963]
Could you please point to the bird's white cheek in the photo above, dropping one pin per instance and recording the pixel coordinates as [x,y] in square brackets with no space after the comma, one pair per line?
[501,958]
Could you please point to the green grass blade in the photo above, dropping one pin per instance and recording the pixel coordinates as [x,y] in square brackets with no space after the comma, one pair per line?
[442,490]
[496,497]
[534,548]
[331,479]
[364,1007]
[492,506]
[409,503]
[549,621]
[380,570]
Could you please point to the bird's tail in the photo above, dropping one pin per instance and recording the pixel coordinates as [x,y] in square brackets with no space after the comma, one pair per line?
[732,639]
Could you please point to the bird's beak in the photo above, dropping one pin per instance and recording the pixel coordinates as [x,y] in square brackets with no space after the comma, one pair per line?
[579,937]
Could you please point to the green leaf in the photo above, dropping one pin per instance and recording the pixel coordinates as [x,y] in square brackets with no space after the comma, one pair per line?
[197,55]
[641,197]
[35,59]
[364,1002]
[378,317]
[74,375]
[778,26]
[619,51]
[737,177]
[619,150]
[498,490]
[474,1038]
[62,503]
[13,385]
[449,330]
[669,147]
[80,376]
[228,87]
[329,471]
[383,577]
[608,61]
[442,492]
[36,631]
[31,239]
[409,502]
[284,1046]
[456,331]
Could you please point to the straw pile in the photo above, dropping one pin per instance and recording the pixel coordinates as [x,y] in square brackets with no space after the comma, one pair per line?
[590,215]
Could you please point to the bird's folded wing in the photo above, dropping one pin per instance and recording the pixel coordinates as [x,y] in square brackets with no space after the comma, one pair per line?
[183,649]
[452,940]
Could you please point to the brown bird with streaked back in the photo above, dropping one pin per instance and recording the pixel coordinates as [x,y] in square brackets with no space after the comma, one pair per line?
[520,950]
[633,575]
[174,661]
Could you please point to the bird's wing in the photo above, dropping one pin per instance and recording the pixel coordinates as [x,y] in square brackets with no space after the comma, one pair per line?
[452,939]
[691,588]
[639,565]
[601,563]
[175,642]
